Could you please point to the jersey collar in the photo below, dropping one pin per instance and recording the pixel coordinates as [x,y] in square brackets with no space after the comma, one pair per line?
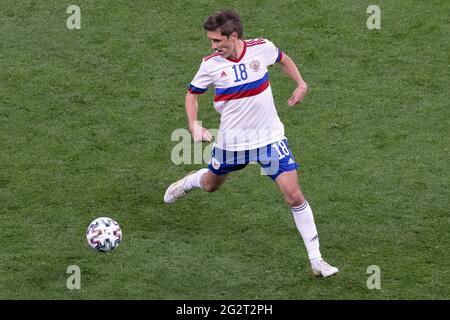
[241,56]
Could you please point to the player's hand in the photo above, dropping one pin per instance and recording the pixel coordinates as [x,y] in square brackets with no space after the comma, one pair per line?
[200,134]
[298,95]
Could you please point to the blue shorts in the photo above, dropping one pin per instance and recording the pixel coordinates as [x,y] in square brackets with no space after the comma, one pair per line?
[275,158]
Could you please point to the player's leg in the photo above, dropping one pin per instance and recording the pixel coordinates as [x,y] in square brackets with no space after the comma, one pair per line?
[211,182]
[304,220]
[204,179]
[208,179]
[281,167]
[201,179]
[288,184]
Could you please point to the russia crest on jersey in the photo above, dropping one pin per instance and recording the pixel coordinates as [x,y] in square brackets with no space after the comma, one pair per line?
[255,66]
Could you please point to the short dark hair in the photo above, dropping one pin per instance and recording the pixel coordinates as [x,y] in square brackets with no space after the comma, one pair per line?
[227,21]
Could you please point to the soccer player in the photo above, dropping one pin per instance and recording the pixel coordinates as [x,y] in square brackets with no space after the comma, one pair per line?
[250,130]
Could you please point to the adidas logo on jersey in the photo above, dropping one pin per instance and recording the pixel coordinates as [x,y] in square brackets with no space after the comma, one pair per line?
[223,74]
[291,161]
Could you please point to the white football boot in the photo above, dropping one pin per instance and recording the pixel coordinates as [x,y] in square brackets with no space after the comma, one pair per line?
[323,269]
[177,190]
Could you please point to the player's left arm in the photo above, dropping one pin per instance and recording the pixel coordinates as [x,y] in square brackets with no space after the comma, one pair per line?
[289,67]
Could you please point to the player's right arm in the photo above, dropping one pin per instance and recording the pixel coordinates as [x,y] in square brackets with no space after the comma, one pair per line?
[199,85]
[198,133]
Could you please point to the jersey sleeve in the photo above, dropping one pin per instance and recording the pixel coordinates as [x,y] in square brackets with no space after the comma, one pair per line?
[272,54]
[201,81]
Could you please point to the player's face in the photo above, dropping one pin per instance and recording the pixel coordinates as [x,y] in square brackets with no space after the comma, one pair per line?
[222,44]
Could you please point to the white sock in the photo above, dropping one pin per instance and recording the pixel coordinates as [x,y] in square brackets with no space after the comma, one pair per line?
[194,180]
[304,221]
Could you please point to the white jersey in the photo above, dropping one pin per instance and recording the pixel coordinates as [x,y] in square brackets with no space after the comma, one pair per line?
[243,96]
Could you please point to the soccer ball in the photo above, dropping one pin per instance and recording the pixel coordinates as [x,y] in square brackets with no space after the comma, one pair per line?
[104,234]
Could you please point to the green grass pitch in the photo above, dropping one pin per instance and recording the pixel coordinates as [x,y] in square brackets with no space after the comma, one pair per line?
[86,118]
